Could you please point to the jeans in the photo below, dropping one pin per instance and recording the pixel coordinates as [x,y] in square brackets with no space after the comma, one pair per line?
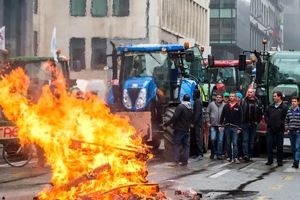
[181,138]
[249,137]
[199,140]
[295,143]
[217,137]
[275,135]
[231,138]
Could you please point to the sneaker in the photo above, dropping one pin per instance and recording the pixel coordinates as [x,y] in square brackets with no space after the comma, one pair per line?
[269,163]
[183,163]
[229,159]
[246,159]
[219,158]
[236,161]
[174,164]
[212,157]
[199,158]
[279,164]
[295,165]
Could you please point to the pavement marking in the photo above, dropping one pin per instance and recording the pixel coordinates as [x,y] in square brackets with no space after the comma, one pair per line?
[287,178]
[277,187]
[262,198]
[220,166]
[220,173]
[290,169]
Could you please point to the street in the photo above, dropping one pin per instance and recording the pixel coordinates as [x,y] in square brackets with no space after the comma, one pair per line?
[213,178]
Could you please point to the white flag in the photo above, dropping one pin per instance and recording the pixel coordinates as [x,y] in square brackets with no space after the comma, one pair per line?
[53,45]
[2,38]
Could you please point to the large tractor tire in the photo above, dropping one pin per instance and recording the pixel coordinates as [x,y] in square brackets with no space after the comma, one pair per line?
[168,136]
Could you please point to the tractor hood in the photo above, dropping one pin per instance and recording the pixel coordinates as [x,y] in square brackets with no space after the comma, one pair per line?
[138,93]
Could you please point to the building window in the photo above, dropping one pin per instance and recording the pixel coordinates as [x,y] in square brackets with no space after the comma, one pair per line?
[35,43]
[77,7]
[77,53]
[35,6]
[228,29]
[120,8]
[214,29]
[99,8]
[98,60]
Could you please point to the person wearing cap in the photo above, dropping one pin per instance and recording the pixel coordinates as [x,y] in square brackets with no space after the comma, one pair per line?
[239,97]
[231,119]
[226,97]
[252,114]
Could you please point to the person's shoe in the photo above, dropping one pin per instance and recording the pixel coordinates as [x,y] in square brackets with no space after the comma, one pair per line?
[279,164]
[183,163]
[246,159]
[229,159]
[212,156]
[174,164]
[236,161]
[219,158]
[199,158]
[269,163]
[295,165]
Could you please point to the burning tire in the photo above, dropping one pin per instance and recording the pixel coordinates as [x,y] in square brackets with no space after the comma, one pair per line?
[16,155]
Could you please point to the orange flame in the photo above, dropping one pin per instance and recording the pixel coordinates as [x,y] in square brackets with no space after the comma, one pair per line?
[91,151]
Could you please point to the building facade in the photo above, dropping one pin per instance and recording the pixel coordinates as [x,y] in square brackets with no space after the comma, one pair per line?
[291,27]
[241,25]
[16,16]
[85,28]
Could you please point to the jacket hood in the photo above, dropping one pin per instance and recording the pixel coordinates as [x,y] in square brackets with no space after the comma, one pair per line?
[187,104]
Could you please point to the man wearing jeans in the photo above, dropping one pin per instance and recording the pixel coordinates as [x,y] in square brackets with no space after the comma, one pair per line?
[292,124]
[275,115]
[252,114]
[214,111]
[231,119]
[181,121]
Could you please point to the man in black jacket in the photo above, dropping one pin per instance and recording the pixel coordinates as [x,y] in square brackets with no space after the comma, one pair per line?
[275,116]
[197,123]
[252,114]
[181,121]
[231,119]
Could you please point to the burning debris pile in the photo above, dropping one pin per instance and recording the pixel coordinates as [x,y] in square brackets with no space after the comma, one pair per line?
[93,154]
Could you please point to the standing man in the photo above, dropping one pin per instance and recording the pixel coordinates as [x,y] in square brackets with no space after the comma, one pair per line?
[252,114]
[231,119]
[197,122]
[181,121]
[292,124]
[226,97]
[275,116]
[214,111]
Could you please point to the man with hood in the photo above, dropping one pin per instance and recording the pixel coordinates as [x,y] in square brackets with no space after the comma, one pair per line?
[181,121]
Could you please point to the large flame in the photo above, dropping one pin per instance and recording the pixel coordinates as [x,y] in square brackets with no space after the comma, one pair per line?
[92,153]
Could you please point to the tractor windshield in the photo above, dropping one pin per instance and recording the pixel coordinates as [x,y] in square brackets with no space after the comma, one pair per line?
[144,64]
[221,75]
[284,75]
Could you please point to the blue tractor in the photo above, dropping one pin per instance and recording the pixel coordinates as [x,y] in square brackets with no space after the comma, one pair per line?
[149,83]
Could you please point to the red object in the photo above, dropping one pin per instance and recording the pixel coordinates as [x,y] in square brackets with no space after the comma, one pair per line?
[220,87]
[227,63]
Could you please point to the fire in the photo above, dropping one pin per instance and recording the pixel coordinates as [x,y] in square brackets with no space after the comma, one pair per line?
[93,154]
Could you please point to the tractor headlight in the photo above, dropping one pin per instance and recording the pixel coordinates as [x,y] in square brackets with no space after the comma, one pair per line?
[126,99]
[141,100]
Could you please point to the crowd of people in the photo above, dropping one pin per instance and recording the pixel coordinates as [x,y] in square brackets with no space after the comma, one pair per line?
[232,120]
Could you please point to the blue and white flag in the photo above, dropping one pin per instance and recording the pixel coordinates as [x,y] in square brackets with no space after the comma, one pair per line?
[2,38]
[53,46]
